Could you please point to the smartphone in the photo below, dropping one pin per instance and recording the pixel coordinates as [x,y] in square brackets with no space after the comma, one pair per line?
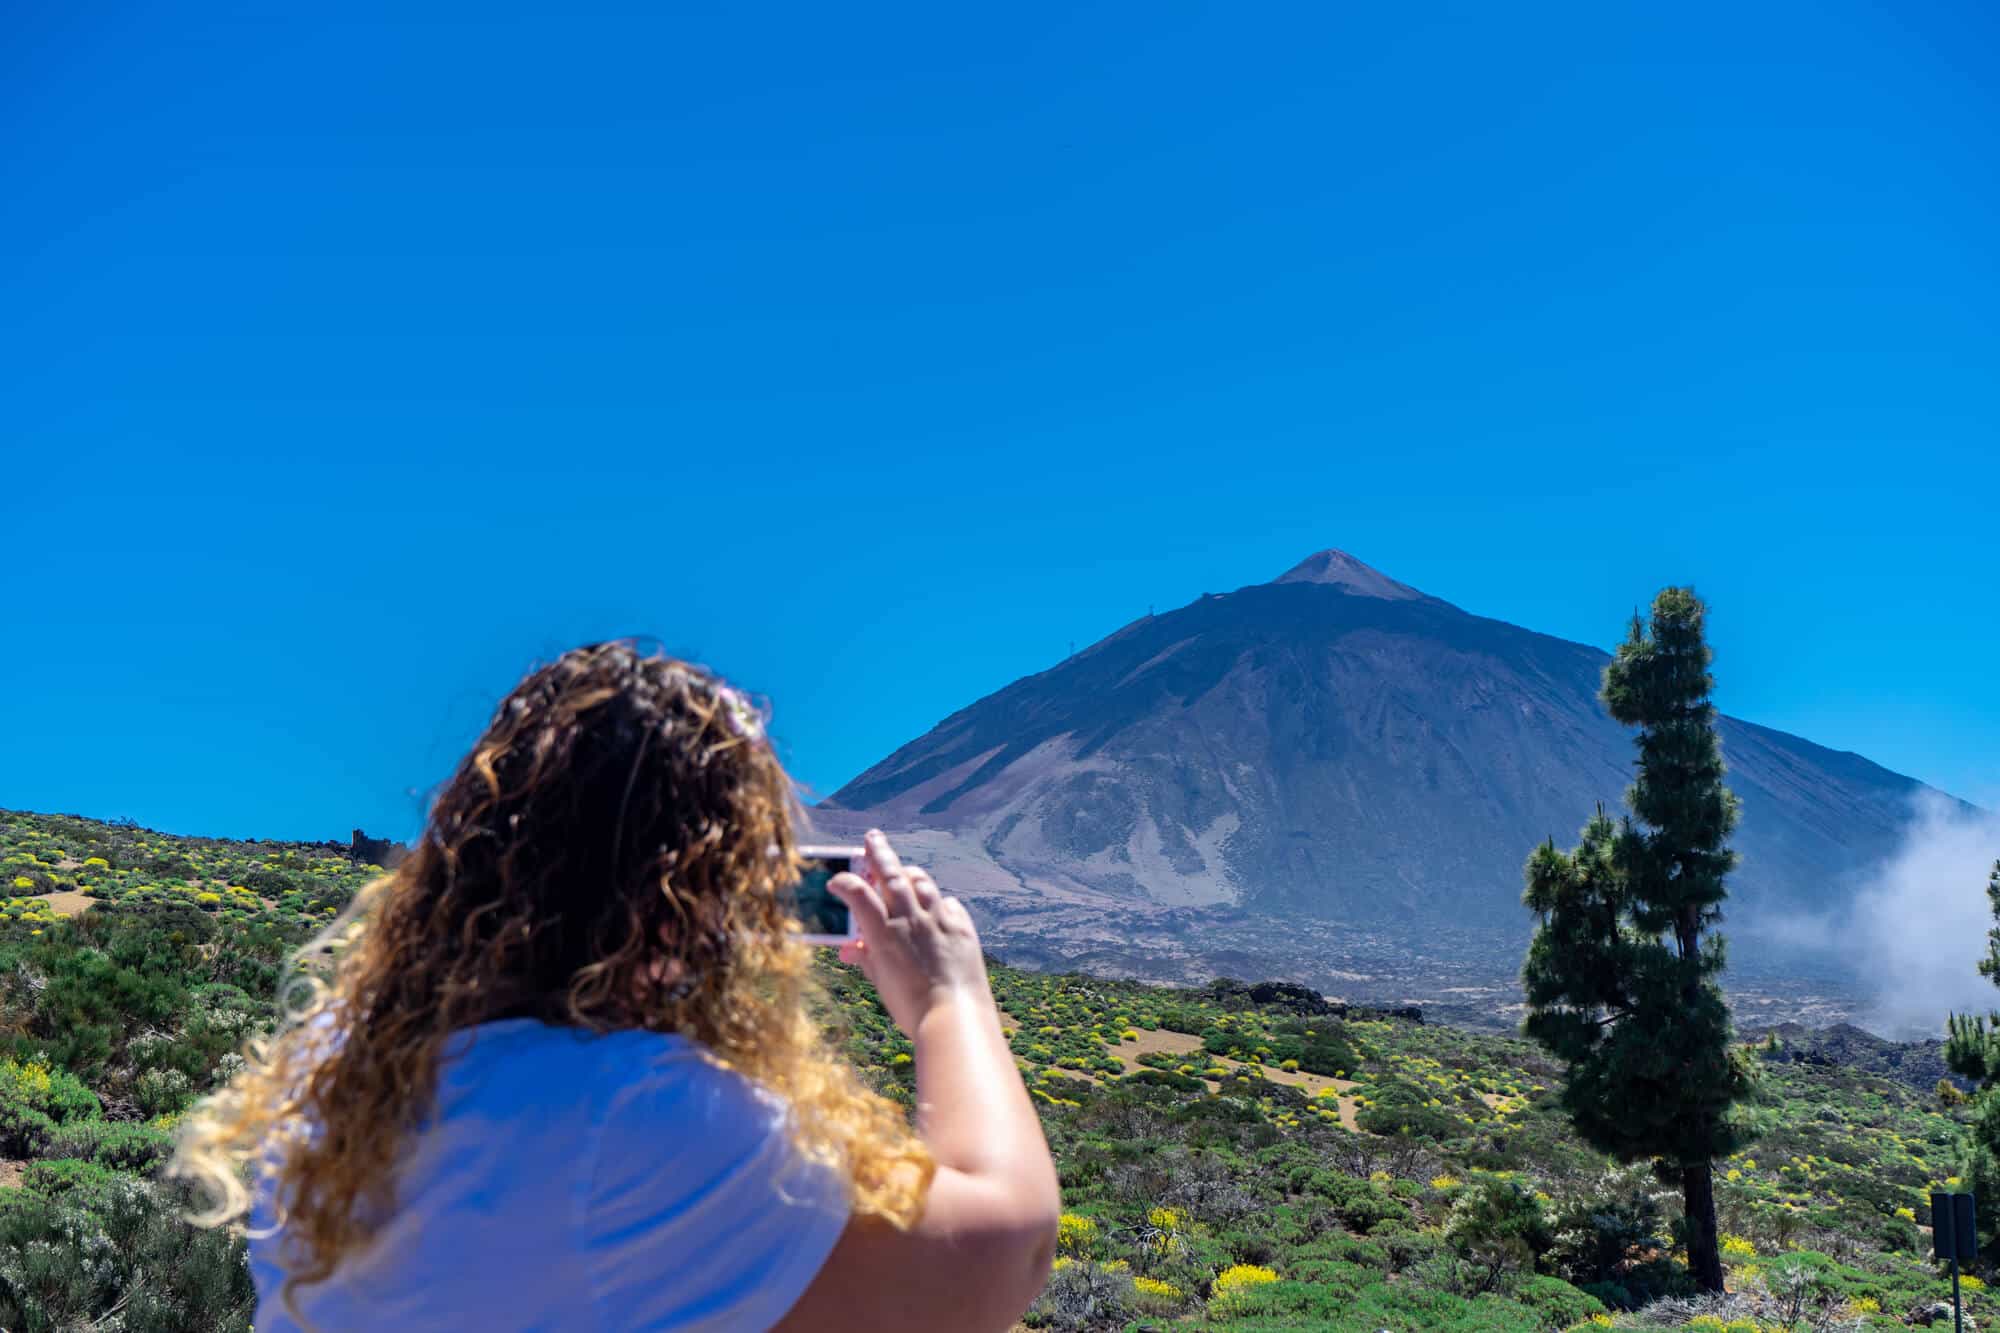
[825,918]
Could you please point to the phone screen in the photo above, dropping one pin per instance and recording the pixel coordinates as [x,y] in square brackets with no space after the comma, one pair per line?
[819,911]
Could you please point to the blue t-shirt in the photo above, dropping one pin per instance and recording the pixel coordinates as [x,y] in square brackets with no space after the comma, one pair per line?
[572,1181]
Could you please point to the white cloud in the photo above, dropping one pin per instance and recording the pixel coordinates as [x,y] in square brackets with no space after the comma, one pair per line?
[1918,928]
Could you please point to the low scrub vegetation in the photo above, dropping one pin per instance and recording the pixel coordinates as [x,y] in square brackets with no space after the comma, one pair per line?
[1225,1164]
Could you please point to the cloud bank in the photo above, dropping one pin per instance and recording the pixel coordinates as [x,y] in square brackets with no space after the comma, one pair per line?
[1918,928]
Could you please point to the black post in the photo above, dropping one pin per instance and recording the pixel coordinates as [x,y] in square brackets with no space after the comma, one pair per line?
[1954,1236]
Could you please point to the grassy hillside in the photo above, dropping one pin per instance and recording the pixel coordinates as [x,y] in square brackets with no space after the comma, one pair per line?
[1225,1164]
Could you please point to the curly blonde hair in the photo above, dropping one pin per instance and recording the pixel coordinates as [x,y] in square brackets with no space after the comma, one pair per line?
[613,853]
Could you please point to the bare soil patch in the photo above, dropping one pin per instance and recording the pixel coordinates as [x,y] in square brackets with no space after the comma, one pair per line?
[1161,1042]
[68,902]
[1157,1041]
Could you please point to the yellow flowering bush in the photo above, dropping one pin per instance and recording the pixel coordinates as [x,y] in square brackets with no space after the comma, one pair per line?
[1238,1278]
[1738,1247]
[1971,1283]
[1075,1233]
[30,1081]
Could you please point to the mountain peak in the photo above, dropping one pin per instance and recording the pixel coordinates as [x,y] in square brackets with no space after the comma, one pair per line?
[1343,571]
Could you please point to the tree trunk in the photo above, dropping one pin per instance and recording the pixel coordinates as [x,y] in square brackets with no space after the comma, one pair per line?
[1698,1181]
[1704,1247]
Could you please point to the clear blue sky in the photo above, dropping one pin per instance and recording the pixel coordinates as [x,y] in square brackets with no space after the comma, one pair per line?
[354,357]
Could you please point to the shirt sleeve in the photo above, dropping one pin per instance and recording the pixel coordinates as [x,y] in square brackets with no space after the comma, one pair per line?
[697,1212]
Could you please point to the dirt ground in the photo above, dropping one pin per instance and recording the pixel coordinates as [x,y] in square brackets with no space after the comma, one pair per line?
[67,903]
[1159,1042]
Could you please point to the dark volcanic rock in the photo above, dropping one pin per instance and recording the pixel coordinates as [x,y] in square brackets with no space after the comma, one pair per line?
[1301,1000]
[383,852]
[1916,1064]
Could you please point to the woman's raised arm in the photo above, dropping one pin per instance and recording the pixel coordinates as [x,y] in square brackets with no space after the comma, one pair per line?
[982,1248]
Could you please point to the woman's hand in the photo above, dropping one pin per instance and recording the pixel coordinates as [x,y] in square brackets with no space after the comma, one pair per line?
[981,1249]
[916,945]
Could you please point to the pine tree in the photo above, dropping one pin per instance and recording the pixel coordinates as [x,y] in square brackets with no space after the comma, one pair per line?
[1989,966]
[1972,1051]
[1621,975]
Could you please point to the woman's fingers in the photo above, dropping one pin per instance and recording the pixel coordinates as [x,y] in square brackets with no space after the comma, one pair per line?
[869,912]
[880,854]
[891,879]
[924,887]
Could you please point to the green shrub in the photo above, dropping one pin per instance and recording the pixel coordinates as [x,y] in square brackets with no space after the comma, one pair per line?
[56,1178]
[163,1091]
[1499,1226]
[1556,1301]
[1612,1295]
[117,1245]
[24,1131]
[1599,1237]
[1407,1308]
[1297,1304]
[124,1146]
[1166,1078]
[1340,1247]
[1404,1245]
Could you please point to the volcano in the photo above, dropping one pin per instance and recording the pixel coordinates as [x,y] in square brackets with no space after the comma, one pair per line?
[1330,747]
